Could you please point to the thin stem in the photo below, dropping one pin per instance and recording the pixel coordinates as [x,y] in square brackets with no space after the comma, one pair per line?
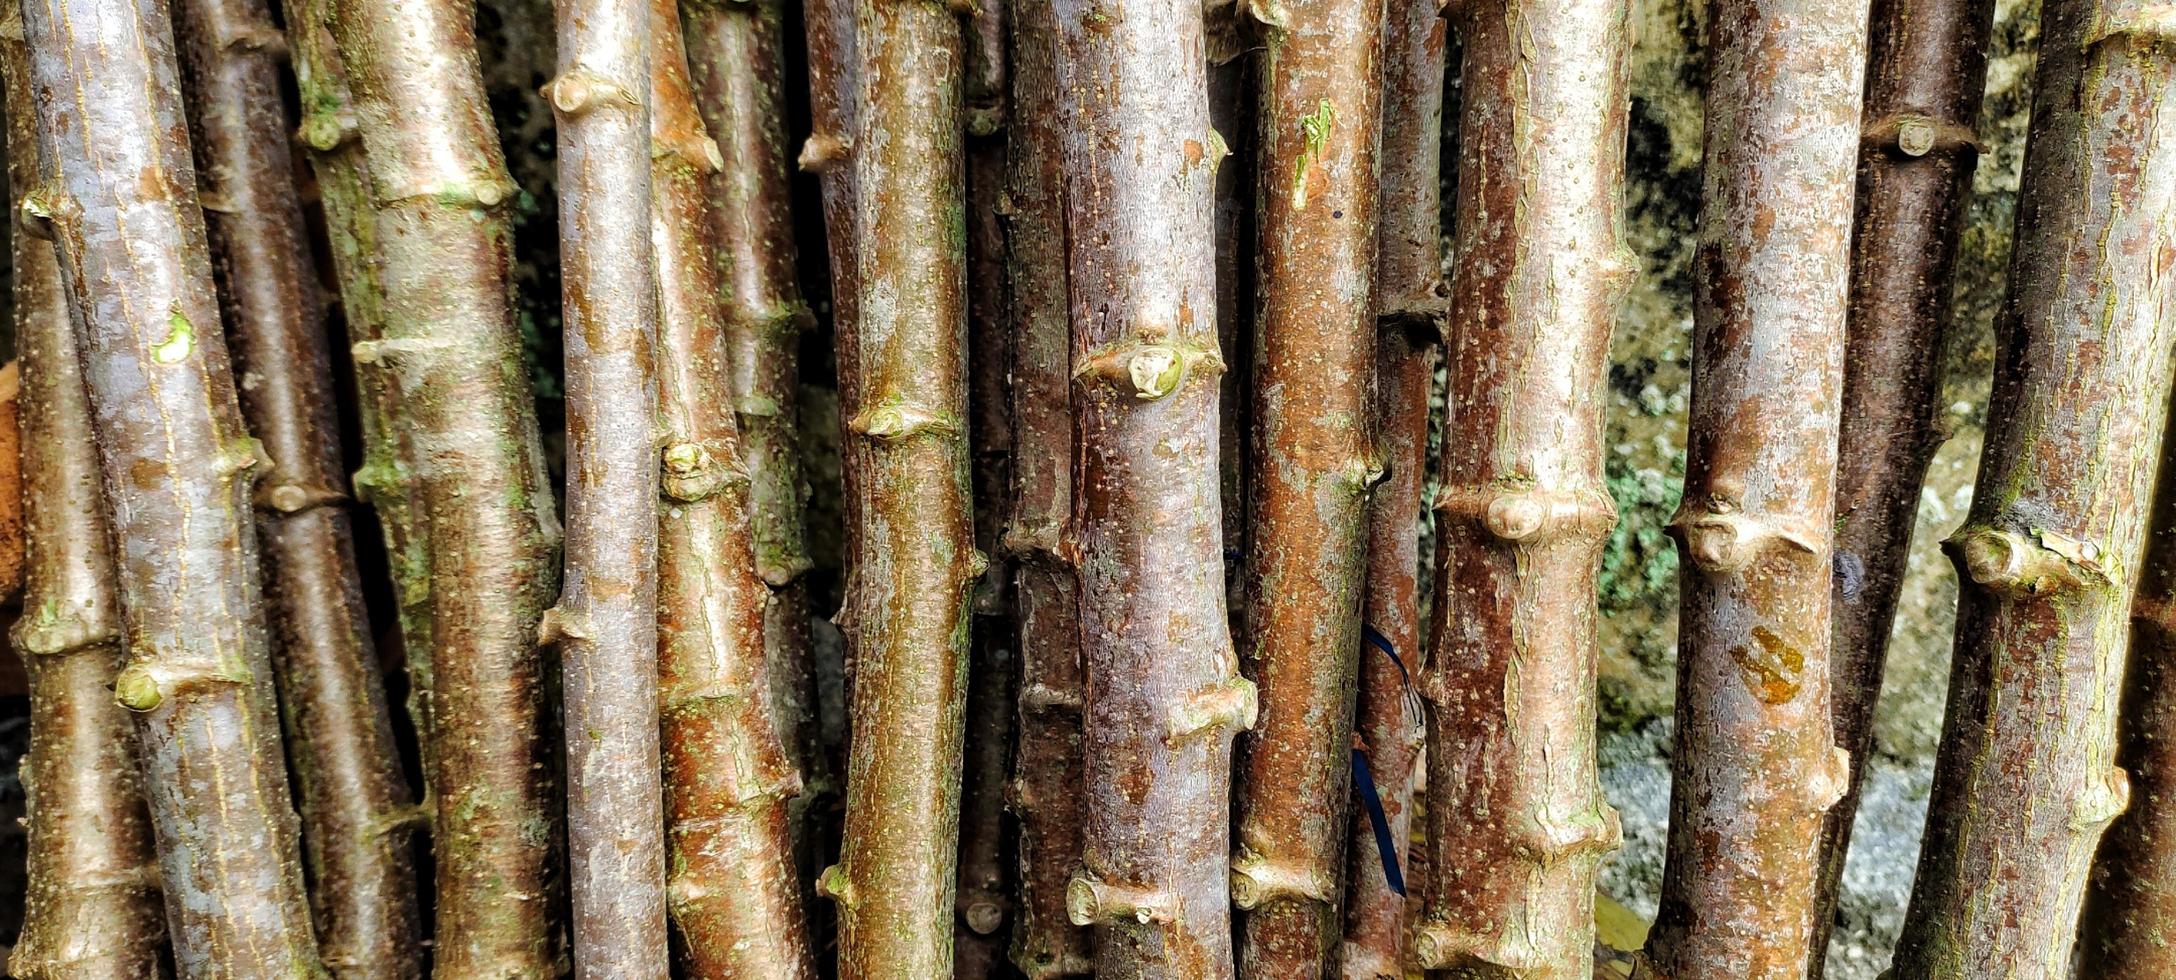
[734,890]
[606,621]
[176,462]
[739,72]
[1409,290]
[1046,593]
[1926,71]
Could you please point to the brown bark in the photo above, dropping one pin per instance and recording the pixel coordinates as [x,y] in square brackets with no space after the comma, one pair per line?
[739,73]
[1409,288]
[605,623]
[1518,825]
[1162,695]
[1756,764]
[357,812]
[735,894]
[1311,466]
[2130,904]
[985,878]
[176,465]
[2027,777]
[1389,723]
[12,532]
[386,479]
[1047,780]
[92,910]
[903,378]
[1926,70]
[480,492]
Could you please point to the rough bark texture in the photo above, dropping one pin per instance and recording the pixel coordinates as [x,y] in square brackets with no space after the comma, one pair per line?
[1756,764]
[177,465]
[738,66]
[92,912]
[357,812]
[1312,463]
[985,878]
[1389,724]
[1046,786]
[903,378]
[386,479]
[1926,71]
[1519,826]
[2027,779]
[605,623]
[440,190]
[1410,292]
[12,532]
[2130,907]
[734,891]
[1162,695]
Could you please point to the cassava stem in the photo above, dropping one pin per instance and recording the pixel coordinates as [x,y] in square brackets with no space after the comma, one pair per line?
[1311,466]
[440,192]
[119,196]
[386,479]
[738,66]
[2130,904]
[903,377]
[985,880]
[1045,944]
[1756,766]
[734,892]
[2026,778]
[1518,825]
[92,910]
[605,623]
[358,816]
[1162,695]
[1925,72]
[1409,290]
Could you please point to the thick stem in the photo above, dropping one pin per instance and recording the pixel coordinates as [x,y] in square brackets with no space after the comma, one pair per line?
[985,877]
[386,479]
[176,464]
[740,84]
[440,191]
[1925,73]
[357,813]
[2026,778]
[1756,765]
[605,623]
[92,912]
[1409,289]
[903,374]
[1047,768]
[735,894]
[1163,697]
[1311,466]
[1518,825]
